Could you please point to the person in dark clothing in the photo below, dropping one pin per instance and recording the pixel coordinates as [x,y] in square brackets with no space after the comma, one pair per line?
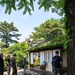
[57,63]
[13,65]
[1,64]
[8,65]
[25,62]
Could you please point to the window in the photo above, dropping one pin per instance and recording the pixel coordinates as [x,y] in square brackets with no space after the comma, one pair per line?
[48,57]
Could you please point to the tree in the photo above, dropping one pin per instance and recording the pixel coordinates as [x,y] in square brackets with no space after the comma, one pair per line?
[70,25]
[8,33]
[66,7]
[19,49]
[23,46]
[1,45]
[48,30]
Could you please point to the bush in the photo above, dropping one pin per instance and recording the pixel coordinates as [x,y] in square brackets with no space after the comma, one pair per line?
[5,65]
[36,62]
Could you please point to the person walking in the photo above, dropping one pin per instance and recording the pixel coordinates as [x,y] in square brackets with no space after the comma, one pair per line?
[25,62]
[8,65]
[1,64]
[13,65]
[57,64]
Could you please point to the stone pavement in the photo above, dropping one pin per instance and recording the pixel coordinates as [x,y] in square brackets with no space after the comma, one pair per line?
[28,72]
[20,72]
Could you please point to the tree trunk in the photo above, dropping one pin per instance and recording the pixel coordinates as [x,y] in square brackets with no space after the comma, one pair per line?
[70,24]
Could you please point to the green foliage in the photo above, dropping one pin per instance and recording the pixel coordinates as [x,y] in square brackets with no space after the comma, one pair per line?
[28,5]
[36,62]
[67,40]
[2,44]
[5,65]
[53,32]
[19,57]
[54,43]
[45,3]
[61,41]
[8,33]
[19,49]
[58,7]
[48,30]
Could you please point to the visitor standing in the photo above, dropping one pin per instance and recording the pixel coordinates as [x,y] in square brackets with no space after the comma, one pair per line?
[13,65]
[57,63]
[8,64]
[25,62]
[1,64]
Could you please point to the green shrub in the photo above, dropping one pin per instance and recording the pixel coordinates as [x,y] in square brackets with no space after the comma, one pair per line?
[5,65]
[36,62]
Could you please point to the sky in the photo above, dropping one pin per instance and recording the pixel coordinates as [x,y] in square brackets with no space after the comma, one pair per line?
[26,23]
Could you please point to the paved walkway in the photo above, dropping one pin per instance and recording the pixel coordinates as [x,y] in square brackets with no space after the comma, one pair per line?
[28,72]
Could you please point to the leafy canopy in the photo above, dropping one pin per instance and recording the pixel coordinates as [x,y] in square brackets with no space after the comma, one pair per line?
[28,5]
[19,49]
[8,33]
[48,30]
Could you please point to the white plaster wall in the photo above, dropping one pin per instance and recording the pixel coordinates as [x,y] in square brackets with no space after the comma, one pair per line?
[49,65]
[64,60]
[31,58]
[41,57]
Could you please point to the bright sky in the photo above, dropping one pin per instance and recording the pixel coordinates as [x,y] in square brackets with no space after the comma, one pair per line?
[26,23]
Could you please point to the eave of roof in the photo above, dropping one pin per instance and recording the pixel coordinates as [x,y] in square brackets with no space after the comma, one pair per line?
[46,46]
